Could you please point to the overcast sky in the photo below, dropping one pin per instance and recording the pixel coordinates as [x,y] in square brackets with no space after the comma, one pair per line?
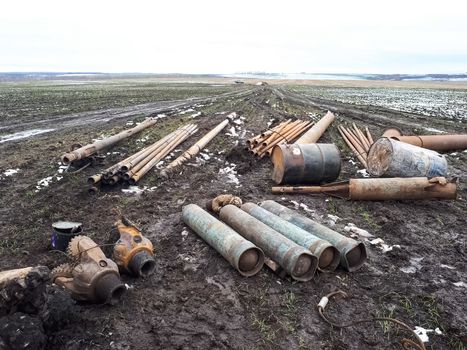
[326,36]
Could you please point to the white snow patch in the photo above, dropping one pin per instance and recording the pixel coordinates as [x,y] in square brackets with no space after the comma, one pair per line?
[295,204]
[138,190]
[423,333]
[205,156]
[447,267]
[460,284]
[383,246]
[414,266]
[195,115]
[363,173]
[232,132]
[305,207]
[230,173]
[130,123]
[10,172]
[23,134]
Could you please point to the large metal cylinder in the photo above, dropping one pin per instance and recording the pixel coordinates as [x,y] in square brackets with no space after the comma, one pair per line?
[312,163]
[401,188]
[438,143]
[392,132]
[392,158]
[314,134]
[240,253]
[297,261]
[353,253]
[328,256]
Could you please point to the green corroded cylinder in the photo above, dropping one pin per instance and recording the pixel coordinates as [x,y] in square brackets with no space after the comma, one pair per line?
[240,253]
[353,253]
[328,256]
[297,261]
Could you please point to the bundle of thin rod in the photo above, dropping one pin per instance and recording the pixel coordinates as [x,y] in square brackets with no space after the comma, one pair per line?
[133,168]
[285,132]
[358,141]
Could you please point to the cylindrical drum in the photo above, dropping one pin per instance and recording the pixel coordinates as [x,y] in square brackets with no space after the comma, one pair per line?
[353,253]
[391,158]
[309,163]
[297,261]
[240,253]
[328,256]
[63,232]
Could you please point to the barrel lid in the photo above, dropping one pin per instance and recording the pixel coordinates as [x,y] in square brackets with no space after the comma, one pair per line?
[66,225]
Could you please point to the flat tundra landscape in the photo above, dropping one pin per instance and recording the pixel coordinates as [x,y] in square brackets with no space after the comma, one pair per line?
[196,299]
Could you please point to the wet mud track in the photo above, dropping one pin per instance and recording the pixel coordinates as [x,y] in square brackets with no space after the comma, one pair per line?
[196,300]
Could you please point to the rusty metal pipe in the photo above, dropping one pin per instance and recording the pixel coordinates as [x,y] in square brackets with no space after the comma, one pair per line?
[240,253]
[368,135]
[196,148]
[328,256]
[92,148]
[356,142]
[353,253]
[440,143]
[361,137]
[290,138]
[352,147]
[396,188]
[314,134]
[285,138]
[297,261]
[280,133]
[392,158]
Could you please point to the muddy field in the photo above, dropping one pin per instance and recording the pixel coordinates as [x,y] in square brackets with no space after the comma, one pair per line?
[196,300]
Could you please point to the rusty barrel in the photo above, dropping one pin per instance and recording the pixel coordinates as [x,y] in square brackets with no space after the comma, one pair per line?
[328,256]
[240,253]
[439,143]
[398,188]
[392,158]
[352,252]
[297,261]
[309,163]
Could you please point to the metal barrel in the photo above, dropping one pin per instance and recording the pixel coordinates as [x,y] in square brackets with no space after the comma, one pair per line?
[438,143]
[312,163]
[401,188]
[392,158]
[297,261]
[328,256]
[240,253]
[353,253]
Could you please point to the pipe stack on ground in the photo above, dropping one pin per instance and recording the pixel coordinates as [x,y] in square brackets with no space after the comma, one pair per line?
[90,149]
[285,132]
[195,149]
[358,141]
[315,133]
[133,168]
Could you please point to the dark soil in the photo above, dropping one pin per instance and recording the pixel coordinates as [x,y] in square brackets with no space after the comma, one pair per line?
[196,300]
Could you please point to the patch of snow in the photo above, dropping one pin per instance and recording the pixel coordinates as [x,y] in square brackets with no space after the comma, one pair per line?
[351,161]
[423,333]
[205,156]
[195,115]
[295,204]
[447,267]
[138,190]
[232,132]
[460,284]
[383,246]
[130,123]
[305,207]
[414,266]
[363,173]
[10,172]
[434,130]
[23,134]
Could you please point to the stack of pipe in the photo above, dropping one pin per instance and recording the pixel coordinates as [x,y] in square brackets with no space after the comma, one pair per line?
[358,141]
[133,168]
[285,132]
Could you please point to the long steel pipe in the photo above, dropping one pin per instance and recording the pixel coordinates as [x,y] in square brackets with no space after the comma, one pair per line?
[92,148]
[438,143]
[314,134]
[353,253]
[297,261]
[239,252]
[196,148]
[328,256]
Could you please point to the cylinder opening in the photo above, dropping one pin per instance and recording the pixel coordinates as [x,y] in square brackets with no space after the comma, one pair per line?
[109,289]
[251,261]
[329,259]
[305,267]
[355,257]
[147,268]
[66,160]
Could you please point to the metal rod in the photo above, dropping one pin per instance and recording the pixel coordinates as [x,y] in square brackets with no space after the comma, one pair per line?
[315,133]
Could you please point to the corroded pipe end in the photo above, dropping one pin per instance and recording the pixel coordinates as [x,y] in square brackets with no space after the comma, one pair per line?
[142,264]
[305,267]
[329,259]
[93,190]
[353,259]
[109,289]
[250,261]
[68,158]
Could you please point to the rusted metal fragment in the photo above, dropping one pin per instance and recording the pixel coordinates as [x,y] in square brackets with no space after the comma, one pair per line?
[239,252]
[94,278]
[438,143]
[133,252]
[222,200]
[353,253]
[328,256]
[392,158]
[397,188]
[314,134]
[313,163]
[299,263]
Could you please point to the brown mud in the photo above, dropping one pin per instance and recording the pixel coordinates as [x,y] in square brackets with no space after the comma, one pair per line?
[196,300]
